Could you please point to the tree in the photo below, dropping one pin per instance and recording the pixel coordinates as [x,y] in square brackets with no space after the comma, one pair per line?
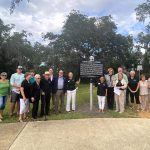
[15,49]
[83,36]
[13,5]
[142,13]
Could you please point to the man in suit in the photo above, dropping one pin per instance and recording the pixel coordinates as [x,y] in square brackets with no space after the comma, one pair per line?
[59,90]
[52,78]
[46,87]
[125,71]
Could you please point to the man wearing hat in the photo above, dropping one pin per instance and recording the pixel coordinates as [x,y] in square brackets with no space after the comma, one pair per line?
[46,87]
[15,82]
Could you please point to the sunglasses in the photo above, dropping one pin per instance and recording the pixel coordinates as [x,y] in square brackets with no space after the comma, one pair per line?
[4,75]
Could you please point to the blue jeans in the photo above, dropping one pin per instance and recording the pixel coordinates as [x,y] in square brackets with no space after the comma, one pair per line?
[3,100]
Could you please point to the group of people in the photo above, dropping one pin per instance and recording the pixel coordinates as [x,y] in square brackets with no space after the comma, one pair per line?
[31,88]
[118,88]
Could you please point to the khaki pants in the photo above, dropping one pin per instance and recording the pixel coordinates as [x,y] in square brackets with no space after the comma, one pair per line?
[144,102]
[149,95]
[59,97]
[120,101]
[53,99]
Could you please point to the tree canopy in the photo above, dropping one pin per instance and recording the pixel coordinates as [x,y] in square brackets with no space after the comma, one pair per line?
[143,13]
[81,37]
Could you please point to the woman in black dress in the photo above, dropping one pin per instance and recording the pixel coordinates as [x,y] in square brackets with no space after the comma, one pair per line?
[133,87]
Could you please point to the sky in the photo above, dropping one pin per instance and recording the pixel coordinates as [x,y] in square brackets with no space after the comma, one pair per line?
[42,16]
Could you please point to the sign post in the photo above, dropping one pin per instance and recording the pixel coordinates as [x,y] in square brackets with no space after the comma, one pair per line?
[90,69]
[91,94]
[139,68]
[91,87]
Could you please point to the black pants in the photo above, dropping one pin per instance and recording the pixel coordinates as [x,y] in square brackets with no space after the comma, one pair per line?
[136,96]
[127,96]
[110,97]
[35,108]
[45,104]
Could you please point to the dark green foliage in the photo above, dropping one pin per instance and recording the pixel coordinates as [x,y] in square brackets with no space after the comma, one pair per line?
[143,13]
[81,37]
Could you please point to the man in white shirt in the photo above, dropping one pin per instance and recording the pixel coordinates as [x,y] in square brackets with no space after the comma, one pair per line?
[15,82]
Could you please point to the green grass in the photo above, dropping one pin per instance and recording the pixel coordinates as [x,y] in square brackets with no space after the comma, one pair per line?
[83,111]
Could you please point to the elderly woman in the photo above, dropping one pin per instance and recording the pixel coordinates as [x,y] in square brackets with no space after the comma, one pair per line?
[133,87]
[101,93]
[110,89]
[143,85]
[4,91]
[25,96]
[119,89]
[35,95]
[71,92]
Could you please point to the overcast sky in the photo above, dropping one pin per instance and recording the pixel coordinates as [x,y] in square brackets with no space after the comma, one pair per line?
[49,15]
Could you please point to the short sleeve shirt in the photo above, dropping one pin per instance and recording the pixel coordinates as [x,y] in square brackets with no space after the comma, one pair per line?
[16,79]
[101,89]
[71,84]
[27,89]
[133,83]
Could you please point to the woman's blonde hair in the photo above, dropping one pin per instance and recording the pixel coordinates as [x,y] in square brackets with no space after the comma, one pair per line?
[110,69]
[120,74]
[37,76]
[132,72]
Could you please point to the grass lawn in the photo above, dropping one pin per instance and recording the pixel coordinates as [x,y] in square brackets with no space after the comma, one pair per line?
[82,111]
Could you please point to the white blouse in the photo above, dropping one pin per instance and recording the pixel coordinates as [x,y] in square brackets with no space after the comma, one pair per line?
[123,83]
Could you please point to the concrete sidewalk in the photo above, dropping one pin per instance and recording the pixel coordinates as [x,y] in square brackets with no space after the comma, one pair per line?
[83,134]
[8,134]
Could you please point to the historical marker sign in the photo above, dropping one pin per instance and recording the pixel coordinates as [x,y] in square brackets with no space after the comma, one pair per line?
[139,67]
[91,68]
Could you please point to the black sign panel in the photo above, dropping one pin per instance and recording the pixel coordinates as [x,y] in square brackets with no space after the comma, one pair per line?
[91,68]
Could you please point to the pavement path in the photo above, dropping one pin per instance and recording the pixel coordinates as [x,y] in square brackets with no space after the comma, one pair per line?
[80,134]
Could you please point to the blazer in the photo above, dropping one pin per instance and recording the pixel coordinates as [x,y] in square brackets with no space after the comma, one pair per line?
[52,85]
[46,86]
[109,80]
[55,84]
[35,91]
